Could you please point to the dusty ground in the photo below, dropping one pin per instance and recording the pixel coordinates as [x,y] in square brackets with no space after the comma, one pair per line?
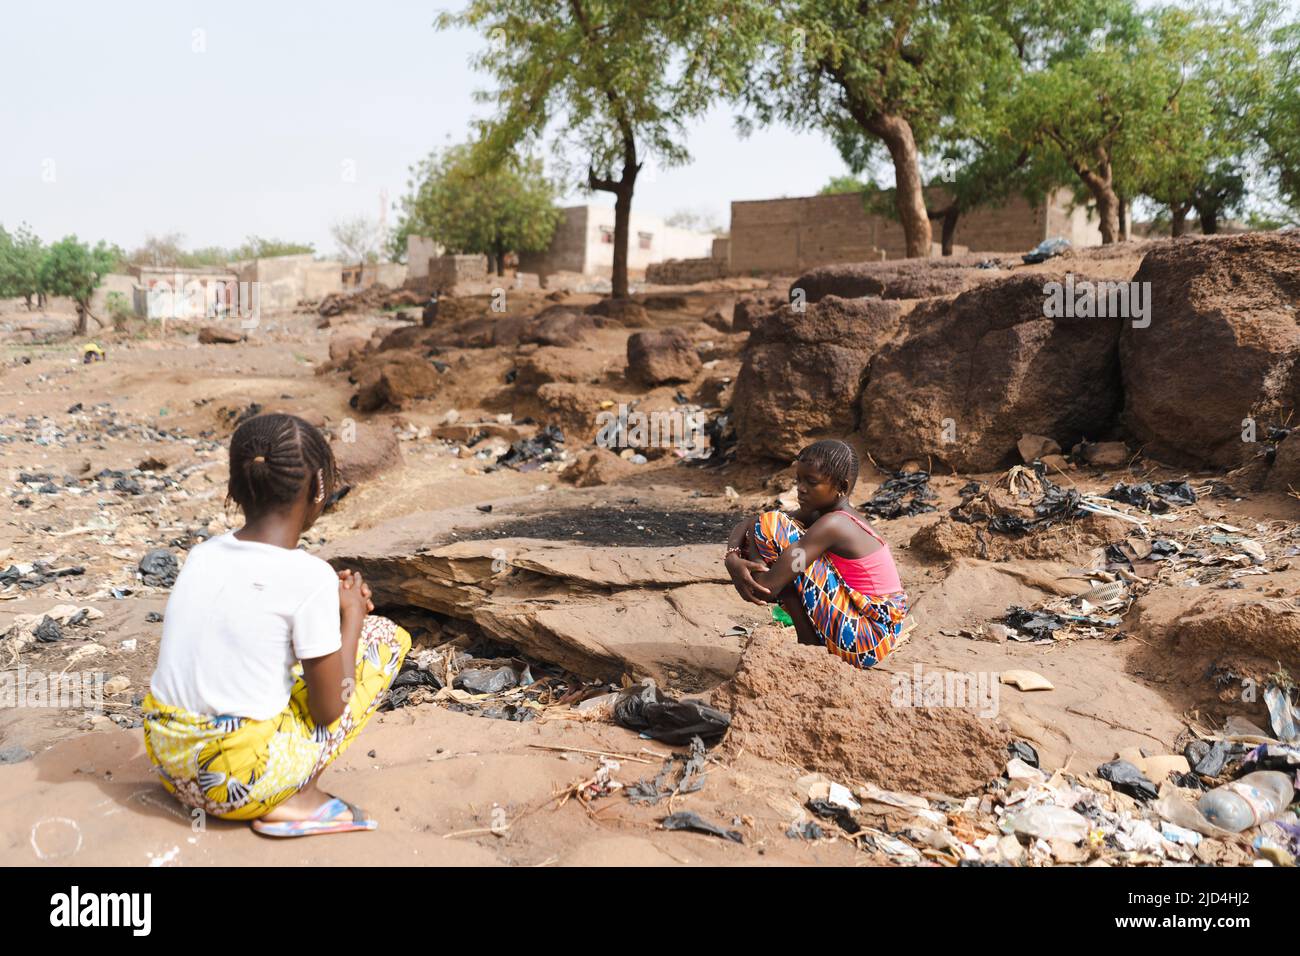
[165,404]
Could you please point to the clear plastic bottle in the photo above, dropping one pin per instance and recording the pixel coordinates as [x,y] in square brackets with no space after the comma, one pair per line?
[1248,802]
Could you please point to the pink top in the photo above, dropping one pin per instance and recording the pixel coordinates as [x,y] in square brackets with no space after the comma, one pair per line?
[874,575]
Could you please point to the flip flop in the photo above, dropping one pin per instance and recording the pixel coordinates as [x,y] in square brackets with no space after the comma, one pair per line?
[320,822]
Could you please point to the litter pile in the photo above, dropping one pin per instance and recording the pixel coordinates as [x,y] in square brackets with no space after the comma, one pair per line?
[902,495]
[1154,499]
[1019,501]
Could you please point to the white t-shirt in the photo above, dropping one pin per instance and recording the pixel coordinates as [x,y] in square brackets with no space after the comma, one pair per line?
[241,613]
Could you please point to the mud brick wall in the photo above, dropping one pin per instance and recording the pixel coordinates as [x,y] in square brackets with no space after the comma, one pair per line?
[568,249]
[685,271]
[791,235]
[447,272]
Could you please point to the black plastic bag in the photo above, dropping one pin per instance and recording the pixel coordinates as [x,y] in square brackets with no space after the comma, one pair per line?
[647,710]
[686,820]
[1126,778]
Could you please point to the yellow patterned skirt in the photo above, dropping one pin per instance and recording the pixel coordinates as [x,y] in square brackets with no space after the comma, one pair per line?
[241,769]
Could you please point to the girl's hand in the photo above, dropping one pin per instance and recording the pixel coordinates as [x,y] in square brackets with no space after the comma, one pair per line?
[346,575]
[742,573]
[354,602]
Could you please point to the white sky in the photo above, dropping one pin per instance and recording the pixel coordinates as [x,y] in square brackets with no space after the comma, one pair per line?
[115,126]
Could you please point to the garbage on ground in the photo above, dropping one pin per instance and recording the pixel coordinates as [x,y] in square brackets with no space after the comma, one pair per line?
[1254,799]
[647,710]
[528,454]
[687,820]
[1047,249]
[690,777]
[1021,500]
[1157,498]
[159,568]
[903,495]
[1126,778]
[1026,680]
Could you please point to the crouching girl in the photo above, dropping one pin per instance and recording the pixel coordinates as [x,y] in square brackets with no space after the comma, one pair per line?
[270,662]
[825,565]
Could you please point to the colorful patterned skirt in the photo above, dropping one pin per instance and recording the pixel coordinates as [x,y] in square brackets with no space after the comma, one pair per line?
[859,628]
[241,769]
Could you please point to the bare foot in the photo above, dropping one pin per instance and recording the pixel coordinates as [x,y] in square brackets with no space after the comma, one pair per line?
[304,805]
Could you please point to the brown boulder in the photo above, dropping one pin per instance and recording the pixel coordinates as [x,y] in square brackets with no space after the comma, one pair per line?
[801,372]
[749,310]
[347,343]
[968,376]
[1221,346]
[574,407]
[623,311]
[597,466]
[363,450]
[910,279]
[394,379]
[553,364]
[661,358]
[212,335]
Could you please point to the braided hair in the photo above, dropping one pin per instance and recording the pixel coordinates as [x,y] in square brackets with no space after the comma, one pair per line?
[834,459]
[274,459]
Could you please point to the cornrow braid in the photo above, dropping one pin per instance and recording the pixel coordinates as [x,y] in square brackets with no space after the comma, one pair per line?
[834,459]
[274,458]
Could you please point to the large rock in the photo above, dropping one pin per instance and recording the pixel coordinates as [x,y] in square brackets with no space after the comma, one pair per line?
[573,406]
[394,380]
[749,310]
[216,335]
[554,364]
[1221,346]
[661,358]
[363,450]
[597,466]
[910,279]
[968,376]
[623,311]
[801,373]
[598,611]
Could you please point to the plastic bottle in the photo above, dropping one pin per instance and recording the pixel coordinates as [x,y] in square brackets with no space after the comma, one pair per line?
[1248,802]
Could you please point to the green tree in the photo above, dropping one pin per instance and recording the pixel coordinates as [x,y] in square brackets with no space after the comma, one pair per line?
[886,74]
[1107,103]
[506,207]
[1280,120]
[20,263]
[1199,149]
[73,269]
[614,82]
[255,247]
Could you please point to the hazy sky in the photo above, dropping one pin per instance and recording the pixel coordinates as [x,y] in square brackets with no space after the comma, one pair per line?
[223,120]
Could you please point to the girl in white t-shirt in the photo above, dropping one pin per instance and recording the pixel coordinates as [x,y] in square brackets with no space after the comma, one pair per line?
[270,662]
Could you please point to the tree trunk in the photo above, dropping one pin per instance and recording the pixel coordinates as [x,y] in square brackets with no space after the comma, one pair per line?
[83,319]
[501,261]
[909,195]
[950,217]
[622,188]
[1123,219]
[1178,219]
[28,299]
[1209,221]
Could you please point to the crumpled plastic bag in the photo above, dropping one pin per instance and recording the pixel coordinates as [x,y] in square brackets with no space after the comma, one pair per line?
[646,709]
